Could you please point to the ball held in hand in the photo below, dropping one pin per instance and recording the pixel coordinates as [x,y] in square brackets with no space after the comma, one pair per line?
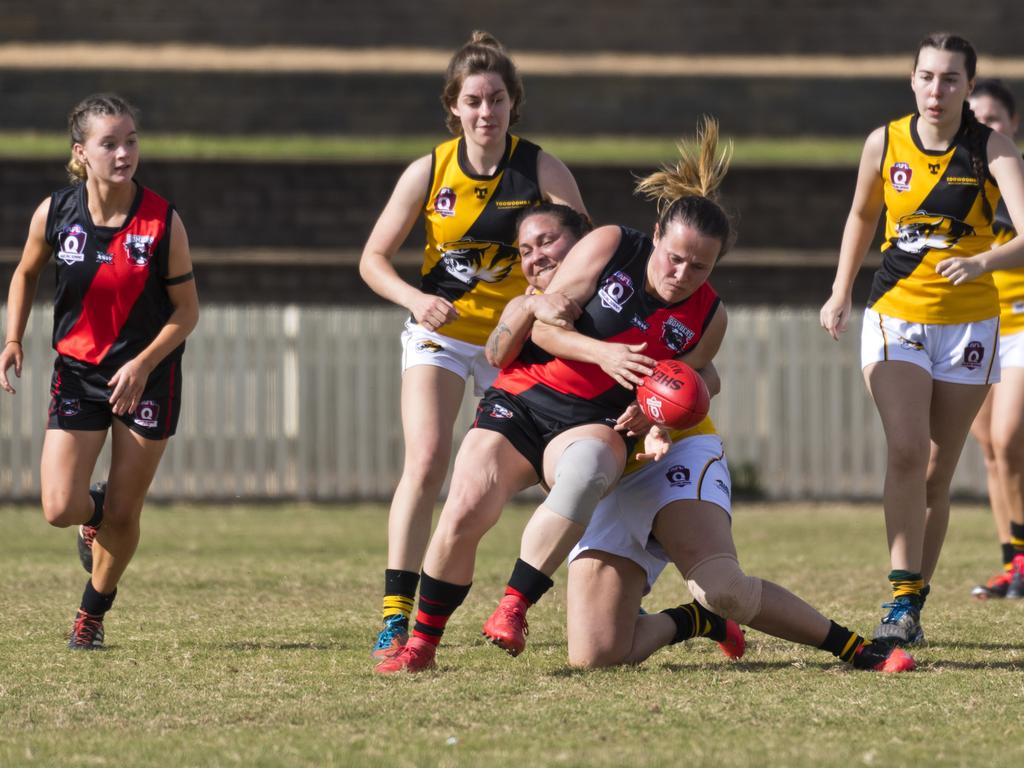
[674,396]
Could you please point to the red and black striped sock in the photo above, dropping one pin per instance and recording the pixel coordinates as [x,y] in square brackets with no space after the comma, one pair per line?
[438,601]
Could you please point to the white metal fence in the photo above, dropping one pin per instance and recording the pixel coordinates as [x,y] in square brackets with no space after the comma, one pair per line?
[302,402]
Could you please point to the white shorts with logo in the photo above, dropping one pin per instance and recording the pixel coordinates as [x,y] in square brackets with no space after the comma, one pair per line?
[1011,350]
[694,469]
[960,353]
[423,347]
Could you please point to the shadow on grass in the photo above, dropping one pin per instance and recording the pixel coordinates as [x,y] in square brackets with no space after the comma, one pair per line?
[955,646]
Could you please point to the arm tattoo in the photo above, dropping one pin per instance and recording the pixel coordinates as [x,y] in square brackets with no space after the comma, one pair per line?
[496,338]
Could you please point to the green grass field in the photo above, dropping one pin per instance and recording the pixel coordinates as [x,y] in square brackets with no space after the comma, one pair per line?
[241,637]
[573,150]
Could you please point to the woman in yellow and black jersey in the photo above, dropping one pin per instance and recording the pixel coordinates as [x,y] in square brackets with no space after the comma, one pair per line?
[470,190]
[929,343]
[999,425]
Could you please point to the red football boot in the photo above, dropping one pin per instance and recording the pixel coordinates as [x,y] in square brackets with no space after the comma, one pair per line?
[507,627]
[416,655]
[735,642]
[883,657]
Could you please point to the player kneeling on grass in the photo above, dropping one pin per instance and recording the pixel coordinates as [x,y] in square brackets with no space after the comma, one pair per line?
[611,568]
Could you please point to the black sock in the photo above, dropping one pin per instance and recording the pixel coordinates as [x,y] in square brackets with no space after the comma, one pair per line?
[399,592]
[402,583]
[1008,553]
[438,601]
[694,620]
[841,642]
[1017,538]
[98,498]
[529,582]
[95,602]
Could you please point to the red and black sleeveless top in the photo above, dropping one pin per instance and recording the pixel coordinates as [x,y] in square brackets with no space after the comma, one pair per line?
[620,311]
[111,300]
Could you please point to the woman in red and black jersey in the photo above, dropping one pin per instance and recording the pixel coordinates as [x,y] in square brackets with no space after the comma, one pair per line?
[552,415]
[125,303]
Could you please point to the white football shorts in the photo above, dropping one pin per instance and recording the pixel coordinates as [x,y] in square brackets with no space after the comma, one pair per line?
[960,353]
[1011,350]
[423,347]
[694,469]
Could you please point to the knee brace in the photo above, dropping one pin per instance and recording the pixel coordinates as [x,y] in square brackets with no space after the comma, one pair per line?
[718,583]
[585,471]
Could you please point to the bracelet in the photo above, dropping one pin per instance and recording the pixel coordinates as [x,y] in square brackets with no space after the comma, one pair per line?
[14,341]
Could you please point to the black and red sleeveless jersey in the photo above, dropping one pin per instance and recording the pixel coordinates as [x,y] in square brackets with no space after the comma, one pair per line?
[621,311]
[111,300]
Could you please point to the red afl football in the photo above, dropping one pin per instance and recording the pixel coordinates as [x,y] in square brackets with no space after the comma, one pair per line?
[674,395]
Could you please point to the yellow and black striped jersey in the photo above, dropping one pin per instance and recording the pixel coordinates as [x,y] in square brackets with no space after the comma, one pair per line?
[934,210]
[1009,282]
[706,427]
[472,257]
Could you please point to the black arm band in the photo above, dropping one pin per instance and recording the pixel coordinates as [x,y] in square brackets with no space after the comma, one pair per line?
[179,279]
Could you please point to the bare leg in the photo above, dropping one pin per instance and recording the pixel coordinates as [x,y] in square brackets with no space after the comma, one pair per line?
[953,408]
[488,471]
[430,402]
[66,467]
[604,625]
[982,431]
[903,394]
[1008,444]
[133,464]
[693,531]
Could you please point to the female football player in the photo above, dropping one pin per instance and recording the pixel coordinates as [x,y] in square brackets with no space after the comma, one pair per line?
[930,333]
[685,500]
[999,426]
[475,185]
[125,303]
[552,419]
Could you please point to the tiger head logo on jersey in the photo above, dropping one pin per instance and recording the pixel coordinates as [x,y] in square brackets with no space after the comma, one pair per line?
[472,261]
[921,230]
[139,249]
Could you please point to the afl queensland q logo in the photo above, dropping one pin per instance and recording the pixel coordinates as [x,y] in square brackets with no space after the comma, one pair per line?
[444,202]
[72,245]
[147,414]
[899,175]
[974,353]
[616,291]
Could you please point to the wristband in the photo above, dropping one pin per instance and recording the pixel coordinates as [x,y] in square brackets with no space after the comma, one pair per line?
[14,341]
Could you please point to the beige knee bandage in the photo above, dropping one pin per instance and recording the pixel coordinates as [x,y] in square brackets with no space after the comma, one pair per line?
[719,583]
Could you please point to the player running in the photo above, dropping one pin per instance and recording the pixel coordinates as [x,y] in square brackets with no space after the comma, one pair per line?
[125,302]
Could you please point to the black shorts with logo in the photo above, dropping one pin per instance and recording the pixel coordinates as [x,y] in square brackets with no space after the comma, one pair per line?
[531,426]
[74,404]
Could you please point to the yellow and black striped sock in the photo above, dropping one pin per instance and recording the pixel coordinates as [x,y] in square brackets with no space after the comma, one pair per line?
[908,585]
[694,620]
[399,593]
[1017,538]
[842,642]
